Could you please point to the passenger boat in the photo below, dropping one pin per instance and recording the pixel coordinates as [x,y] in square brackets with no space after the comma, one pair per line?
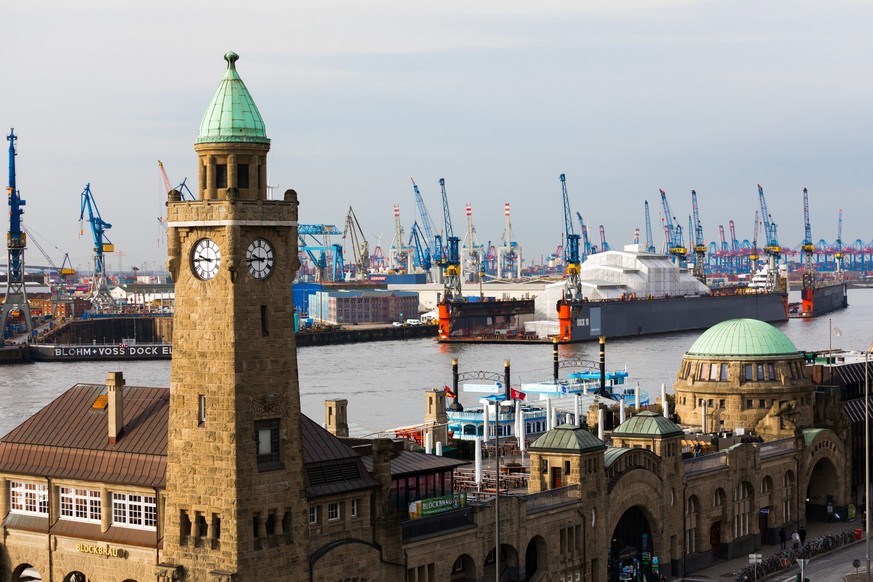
[564,400]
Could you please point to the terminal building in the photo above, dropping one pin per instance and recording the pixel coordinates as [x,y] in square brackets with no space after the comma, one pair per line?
[220,477]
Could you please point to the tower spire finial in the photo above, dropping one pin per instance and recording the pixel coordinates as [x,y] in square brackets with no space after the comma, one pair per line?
[231,58]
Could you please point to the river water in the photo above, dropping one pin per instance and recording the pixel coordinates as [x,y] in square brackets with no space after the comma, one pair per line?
[384,382]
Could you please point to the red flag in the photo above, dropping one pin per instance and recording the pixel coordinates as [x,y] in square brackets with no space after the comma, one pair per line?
[517,394]
[449,393]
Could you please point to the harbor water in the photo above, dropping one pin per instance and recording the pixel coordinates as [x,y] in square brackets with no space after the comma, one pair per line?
[384,382]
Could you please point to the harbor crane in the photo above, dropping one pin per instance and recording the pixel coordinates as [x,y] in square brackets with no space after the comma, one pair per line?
[399,251]
[650,245]
[325,249]
[472,251]
[510,252]
[182,188]
[604,246]
[587,250]
[753,254]
[573,285]
[838,246]
[360,247]
[434,241]
[699,271]
[451,258]
[773,248]
[675,246]
[421,257]
[15,307]
[807,248]
[101,300]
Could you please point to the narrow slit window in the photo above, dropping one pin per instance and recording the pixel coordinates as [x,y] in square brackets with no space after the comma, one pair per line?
[265,331]
[201,409]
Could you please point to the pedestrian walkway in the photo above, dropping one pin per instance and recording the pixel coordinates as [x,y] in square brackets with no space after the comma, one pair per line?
[726,570]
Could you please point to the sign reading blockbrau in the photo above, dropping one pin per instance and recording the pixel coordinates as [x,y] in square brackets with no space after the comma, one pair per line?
[435,505]
[107,550]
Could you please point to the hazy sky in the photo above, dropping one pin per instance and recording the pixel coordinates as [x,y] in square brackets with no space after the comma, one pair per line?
[498,98]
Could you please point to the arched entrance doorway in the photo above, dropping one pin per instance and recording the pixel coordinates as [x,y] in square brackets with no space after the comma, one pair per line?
[26,573]
[631,547]
[508,564]
[821,502]
[534,557]
[464,569]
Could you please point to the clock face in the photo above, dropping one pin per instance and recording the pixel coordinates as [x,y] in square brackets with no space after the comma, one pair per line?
[205,259]
[260,259]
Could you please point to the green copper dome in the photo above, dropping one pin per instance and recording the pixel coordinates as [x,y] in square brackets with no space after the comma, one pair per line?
[232,115]
[647,424]
[567,438]
[743,337]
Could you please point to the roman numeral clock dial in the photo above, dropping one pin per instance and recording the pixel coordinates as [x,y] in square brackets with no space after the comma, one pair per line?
[260,259]
[205,259]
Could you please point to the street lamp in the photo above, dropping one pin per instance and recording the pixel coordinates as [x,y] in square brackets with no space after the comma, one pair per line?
[867,456]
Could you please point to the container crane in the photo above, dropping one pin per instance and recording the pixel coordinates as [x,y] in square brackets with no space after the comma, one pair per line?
[324,248]
[360,247]
[675,246]
[604,246]
[773,248]
[510,252]
[573,285]
[587,249]
[15,307]
[451,259]
[399,250]
[101,300]
[434,241]
[650,245]
[472,251]
[699,244]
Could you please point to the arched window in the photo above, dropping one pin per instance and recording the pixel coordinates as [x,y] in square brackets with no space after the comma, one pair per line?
[743,509]
[788,496]
[718,498]
[692,513]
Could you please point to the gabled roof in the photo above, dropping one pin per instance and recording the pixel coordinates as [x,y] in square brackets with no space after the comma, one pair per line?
[648,424]
[411,463]
[332,467]
[69,439]
[567,438]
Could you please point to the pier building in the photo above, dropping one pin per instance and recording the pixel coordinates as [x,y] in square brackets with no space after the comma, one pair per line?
[220,477]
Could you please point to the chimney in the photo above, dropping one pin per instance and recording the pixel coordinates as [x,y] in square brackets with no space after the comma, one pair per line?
[115,393]
[336,417]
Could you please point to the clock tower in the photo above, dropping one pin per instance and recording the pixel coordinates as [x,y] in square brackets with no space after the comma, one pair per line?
[236,508]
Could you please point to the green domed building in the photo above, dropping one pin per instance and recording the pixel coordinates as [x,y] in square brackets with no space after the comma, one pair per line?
[744,374]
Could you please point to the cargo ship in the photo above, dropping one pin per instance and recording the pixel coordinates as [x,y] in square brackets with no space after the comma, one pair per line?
[625,293]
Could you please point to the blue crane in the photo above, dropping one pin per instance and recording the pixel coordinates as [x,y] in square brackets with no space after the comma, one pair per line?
[99,295]
[434,241]
[586,244]
[772,248]
[650,245]
[699,244]
[674,233]
[573,287]
[422,256]
[307,235]
[15,303]
[451,258]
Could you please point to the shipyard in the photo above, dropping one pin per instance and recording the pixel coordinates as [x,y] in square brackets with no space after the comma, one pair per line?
[282,367]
